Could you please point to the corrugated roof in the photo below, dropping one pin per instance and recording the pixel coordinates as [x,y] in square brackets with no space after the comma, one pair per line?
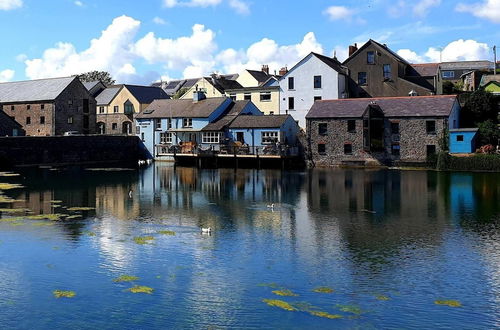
[146,94]
[250,121]
[107,95]
[182,108]
[232,113]
[417,106]
[33,90]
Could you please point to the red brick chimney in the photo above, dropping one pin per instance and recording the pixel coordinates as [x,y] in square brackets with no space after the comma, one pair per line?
[283,71]
[353,49]
[265,69]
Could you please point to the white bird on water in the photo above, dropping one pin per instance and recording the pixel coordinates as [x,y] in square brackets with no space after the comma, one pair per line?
[206,230]
[271,206]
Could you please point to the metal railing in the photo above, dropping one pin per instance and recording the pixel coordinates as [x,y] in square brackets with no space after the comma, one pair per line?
[268,150]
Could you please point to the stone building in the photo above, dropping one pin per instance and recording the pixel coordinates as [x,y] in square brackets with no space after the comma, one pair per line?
[48,107]
[379,130]
[376,71]
[117,106]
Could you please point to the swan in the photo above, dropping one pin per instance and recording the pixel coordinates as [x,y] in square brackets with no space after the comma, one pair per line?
[271,206]
[206,230]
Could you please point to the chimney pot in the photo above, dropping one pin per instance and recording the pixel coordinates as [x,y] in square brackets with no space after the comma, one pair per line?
[265,69]
[283,71]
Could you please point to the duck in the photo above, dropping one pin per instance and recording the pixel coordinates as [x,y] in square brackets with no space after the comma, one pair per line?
[207,230]
[271,206]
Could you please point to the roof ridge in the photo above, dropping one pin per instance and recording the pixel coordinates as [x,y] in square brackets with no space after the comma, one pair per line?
[40,79]
[390,97]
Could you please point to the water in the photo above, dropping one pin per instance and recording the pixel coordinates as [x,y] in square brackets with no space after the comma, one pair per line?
[388,243]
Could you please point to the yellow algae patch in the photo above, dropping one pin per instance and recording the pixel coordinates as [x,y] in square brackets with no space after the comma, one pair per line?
[6,199]
[89,233]
[286,293]
[141,289]
[40,224]
[167,232]
[126,278]
[64,294]
[54,201]
[325,315]
[279,303]
[269,285]
[73,217]
[143,239]
[323,289]
[9,174]
[382,298]
[83,208]
[9,186]
[52,217]
[13,210]
[349,309]
[450,303]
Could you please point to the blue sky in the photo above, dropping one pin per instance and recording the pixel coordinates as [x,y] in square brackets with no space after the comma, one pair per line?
[143,41]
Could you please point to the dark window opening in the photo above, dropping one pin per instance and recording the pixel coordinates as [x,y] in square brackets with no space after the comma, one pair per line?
[291,103]
[430,127]
[431,150]
[291,83]
[42,119]
[317,98]
[317,81]
[351,126]
[323,129]
[42,106]
[395,149]
[460,138]
[28,107]
[322,148]
[28,120]
[247,97]
[348,149]
[85,106]
[387,72]
[370,57]
[394,128]
[362,78]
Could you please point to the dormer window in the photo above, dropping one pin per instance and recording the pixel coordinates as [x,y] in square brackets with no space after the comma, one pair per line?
[187,122]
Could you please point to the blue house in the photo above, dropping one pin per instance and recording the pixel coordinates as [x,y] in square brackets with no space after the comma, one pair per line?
[463,140]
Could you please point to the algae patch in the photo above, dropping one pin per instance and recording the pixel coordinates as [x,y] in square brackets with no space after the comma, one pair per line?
[382,298]
[141,289]
[325,315]
[280,304]
[126,278]
[167,232]
[64,294]
[141,240]
[285,293]
[349,309]
[323,289]
[9,174]
[269,285]
[81,208]
[10,186]
[450,303]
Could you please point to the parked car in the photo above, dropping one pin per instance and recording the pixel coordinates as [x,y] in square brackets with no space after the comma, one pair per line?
[69,133]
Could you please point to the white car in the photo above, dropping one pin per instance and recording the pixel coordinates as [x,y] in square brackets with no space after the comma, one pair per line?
[68,133]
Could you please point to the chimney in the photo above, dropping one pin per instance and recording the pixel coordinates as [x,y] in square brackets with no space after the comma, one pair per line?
[198,95]
[265,69]
[353,49]
[283,71]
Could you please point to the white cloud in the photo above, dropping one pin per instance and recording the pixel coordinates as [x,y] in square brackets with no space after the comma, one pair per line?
[337,13]
[488,9]
[240,6]
[458,50]
[79,3]
[10,4]
[6,75]
[21,57]
[423,6]
[159,21]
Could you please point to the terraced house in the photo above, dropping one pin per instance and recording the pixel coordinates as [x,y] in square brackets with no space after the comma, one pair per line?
[378,131]
[48,107]
[117,106]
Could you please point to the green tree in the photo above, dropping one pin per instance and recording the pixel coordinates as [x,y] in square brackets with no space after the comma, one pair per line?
[479,106]
[488,132]
[103,76]
[180,93]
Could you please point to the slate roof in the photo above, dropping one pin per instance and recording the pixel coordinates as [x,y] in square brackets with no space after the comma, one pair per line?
[267,121]
[234,110]
[381,46]
[168,108]
[146,94]
[221,83]
[426,69]
[416,106]
[466,65]
[331,62]
[33,90]
[90,84]
[260,76]
[107,95]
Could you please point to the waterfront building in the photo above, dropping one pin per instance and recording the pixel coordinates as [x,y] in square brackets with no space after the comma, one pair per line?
[94,87]
[9,127]
[48,107]
[213,86]
[463,140]
[454,71]
[379,130]
[117,105]
[315,77]
[173,87]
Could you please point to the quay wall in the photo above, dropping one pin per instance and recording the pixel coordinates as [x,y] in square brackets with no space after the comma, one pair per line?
[70,150]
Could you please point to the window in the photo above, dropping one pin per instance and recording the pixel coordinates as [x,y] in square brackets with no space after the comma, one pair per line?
[42,106]
[387,72]
[114,126]
[138,130]
[317,98]
[116,108]
[129,108]
[70,102]
[430,127]
[265,96]
[28,107]
[86,107]
[187,122]
[448,74]
[394,128]
[322,128]
[165,138]
[291,103]
[370,57]
[42,120]
[70,120]
[362,78]
[431,150]
[317,81]
[247,96]
[169,123]
[28,120]
[269,137]
[232,96]
[210,137]
[157,123]
[291,83]
[321,148]
[351,126]
[12,107]
[395,150]
[101,109]
[460,138]
[142,137]
[348,149]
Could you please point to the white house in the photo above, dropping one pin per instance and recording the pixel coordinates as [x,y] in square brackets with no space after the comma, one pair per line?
[316,77]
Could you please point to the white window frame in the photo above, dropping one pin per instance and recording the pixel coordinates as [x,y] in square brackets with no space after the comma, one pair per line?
[166,138]
[263,94]
[157,122]
[101,109]
[116,109]
[211,137]
[448,74]
[270,137]
[187,122]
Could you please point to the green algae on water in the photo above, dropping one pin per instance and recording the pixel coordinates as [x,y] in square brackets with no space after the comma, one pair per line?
[64,294]
[323,289]
[81,208]
[141,289]
[13,211]
[280,304]
[285,293]
[76,216]
[349,309]
[9,174]
[90,233]
[382,297]
[167,232]
[141,240]
[52,217]
[450,303]
[269,285]
[9,186]
[325,315]
[126,278]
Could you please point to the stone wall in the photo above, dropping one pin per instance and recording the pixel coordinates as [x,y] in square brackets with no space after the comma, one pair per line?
[61,150]
[37,119]
[118,119]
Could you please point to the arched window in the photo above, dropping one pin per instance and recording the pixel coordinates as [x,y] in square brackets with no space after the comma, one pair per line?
[127,128]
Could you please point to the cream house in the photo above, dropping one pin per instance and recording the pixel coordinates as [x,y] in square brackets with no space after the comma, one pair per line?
[213,86]
[266,98]
[117,105]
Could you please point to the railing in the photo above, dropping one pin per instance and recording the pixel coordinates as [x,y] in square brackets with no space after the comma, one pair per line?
[269,150]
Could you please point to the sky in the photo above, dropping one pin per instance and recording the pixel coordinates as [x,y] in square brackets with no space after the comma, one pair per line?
[144,41]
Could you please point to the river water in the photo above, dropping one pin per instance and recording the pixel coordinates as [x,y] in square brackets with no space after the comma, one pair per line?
[369,249]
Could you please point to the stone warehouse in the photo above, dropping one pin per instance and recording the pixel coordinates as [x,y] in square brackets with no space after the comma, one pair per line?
[379,131]
[49,107]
